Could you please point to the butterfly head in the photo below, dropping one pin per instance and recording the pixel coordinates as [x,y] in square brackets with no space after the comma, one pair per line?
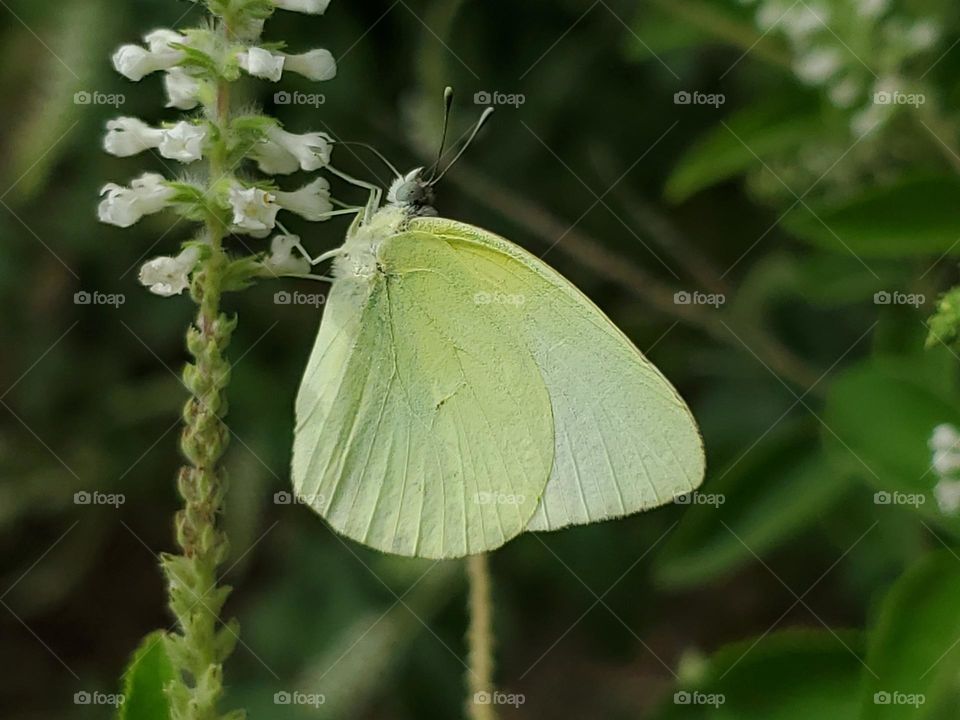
[414,193]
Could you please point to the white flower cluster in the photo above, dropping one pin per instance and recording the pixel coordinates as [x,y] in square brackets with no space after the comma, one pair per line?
[248,207]
[945,446]
[854,49]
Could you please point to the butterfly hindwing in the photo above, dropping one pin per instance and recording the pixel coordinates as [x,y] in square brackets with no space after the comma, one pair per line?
[625,440]
[422,428]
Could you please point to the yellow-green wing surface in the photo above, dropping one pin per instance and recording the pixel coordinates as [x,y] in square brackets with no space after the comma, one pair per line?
[422,428]
[625,440]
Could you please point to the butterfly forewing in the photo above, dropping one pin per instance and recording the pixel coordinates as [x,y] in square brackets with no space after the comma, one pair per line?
[422,428]
[624,439]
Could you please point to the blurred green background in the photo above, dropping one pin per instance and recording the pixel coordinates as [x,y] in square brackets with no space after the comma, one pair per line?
[800,193]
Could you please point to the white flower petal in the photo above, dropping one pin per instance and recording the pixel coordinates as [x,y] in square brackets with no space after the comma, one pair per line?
[313,7]
[182,89]
[282,260]
[273,159]
[124,206]
[169,276]
[311,201]
[254,210]
[135,62]
[127,136]
[262,63]
[285,152]
[315,65]
[183,142]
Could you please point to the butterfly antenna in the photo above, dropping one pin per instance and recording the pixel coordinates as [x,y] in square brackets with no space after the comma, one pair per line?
[473,135]
[380,155]
[447,109]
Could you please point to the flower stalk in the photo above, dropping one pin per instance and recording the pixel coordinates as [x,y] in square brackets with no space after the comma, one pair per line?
[200,648]
[199,66]
[480,635]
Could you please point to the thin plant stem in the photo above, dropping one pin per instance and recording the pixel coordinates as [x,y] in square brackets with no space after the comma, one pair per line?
[480,640]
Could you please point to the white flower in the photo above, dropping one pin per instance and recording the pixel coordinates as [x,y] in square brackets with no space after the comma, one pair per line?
[314,7]
[923,35]
[254,210]
[283,152]
[282,261]
[803,21]
[945,437]
[182,89]
[262,63]
[844,94]
[135,62]
[770,13]
[947,493]
[873,8]
[124,206]
[183,142]
[315,65]
[169,276]
[127,136]
[311,201]
[818,65]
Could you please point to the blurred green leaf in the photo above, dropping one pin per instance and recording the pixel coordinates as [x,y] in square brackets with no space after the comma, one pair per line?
[761,130]
[146,676]
[912,652]
[770,493]
[912,217]
[878,418]
[677,24]
[790,675]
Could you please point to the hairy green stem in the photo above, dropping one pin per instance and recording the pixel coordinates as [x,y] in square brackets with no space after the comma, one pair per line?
[201,646]
[480,705]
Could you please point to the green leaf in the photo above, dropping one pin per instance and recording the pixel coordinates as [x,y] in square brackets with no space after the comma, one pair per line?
[877,421]
[762,130]
[914,217]
[144,681]
[790,675]
[913,651]
[769,497]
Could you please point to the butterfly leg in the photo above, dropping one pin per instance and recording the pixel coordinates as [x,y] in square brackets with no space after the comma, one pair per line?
[376,193]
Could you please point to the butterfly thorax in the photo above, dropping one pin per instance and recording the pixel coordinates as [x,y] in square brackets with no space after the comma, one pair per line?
[359,255]
[410,196]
